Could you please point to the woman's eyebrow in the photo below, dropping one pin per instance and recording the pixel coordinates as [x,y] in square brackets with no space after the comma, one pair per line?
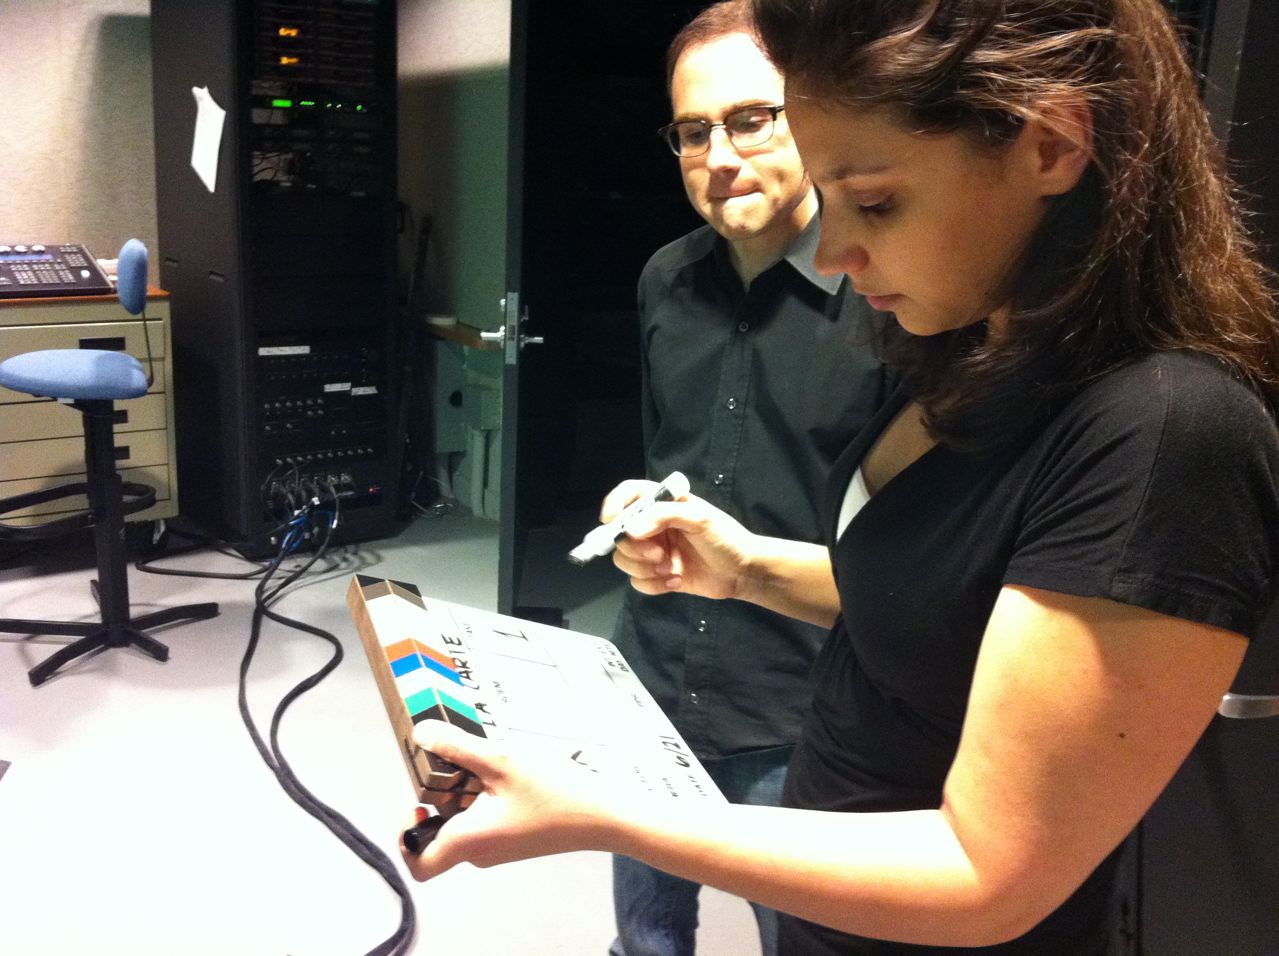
[852,171]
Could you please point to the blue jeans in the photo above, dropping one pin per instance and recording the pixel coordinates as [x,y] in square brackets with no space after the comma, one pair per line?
[657,912]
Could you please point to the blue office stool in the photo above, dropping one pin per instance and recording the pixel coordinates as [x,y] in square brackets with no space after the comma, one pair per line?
[91,381]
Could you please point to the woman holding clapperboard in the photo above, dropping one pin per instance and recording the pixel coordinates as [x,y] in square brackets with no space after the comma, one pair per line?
[1046,558]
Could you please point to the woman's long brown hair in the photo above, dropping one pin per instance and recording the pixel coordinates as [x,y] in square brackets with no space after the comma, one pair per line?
[1149,252]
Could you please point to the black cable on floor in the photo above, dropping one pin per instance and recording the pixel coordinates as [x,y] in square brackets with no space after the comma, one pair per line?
[399,941]
[198,543]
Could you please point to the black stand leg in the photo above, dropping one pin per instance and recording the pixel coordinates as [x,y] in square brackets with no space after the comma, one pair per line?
[44,670]
[169,615]
[17,625]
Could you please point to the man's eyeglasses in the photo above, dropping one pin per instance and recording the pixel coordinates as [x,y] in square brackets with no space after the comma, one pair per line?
[747,127]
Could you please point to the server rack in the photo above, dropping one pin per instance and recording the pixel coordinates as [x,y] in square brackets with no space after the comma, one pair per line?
[282,267]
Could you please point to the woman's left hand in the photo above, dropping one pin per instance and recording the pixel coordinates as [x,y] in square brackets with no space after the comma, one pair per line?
[528,807]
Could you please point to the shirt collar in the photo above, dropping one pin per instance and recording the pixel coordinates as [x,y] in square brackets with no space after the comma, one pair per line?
[799,254]
[802,252]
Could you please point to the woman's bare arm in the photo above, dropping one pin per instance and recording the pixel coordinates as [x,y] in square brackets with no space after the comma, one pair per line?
[1081,711]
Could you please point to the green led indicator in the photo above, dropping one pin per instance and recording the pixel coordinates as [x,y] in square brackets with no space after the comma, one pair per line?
[284,104]
[359,109]
[306,103]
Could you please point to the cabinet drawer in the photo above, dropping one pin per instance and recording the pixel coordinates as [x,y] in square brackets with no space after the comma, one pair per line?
[14,312]
[100,335]
[156,476]
[64,457]
[34,421]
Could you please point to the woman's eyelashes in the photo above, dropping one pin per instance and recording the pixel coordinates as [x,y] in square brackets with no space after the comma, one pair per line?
[868,206]
[877,208]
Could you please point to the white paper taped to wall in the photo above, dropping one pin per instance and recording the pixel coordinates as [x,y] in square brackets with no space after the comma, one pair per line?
[207,141]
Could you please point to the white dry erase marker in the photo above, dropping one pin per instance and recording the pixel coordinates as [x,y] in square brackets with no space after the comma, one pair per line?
[600,541]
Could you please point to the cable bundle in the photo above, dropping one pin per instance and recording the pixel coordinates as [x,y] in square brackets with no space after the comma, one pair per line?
[308,521]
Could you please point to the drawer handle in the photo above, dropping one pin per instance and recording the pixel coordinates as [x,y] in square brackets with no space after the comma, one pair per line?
[109,344]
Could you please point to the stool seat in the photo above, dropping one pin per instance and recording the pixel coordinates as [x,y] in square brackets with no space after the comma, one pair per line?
[80,374]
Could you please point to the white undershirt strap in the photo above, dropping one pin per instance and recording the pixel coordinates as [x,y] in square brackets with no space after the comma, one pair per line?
[854,499]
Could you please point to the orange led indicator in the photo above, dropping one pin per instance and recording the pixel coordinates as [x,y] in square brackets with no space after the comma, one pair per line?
[288,31]
[289,61]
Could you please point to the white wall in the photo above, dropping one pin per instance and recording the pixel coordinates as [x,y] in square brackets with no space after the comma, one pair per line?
[76,157]
[439,37]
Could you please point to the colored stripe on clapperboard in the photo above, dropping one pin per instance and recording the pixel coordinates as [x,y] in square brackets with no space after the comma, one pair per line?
[428,681]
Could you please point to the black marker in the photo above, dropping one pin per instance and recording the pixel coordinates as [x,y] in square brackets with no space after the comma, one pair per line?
[419,836]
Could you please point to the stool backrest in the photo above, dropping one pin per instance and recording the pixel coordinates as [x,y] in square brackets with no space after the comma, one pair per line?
[131,276]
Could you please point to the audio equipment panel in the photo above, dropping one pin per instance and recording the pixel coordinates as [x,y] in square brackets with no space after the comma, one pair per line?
[59,269]
[316,115]
[322,405]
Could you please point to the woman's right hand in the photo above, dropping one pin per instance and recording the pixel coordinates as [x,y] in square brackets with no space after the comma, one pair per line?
[687,545]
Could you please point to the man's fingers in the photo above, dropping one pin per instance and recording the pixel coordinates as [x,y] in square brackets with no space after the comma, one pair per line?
[621,496]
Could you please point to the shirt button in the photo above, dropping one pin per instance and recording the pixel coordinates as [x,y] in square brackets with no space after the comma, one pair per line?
[743,326]
[731,404]
[692,698]
[701,627]
[718,479]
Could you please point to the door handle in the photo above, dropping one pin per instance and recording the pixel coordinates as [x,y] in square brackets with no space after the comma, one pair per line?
[1249,706]
[498,336]
[522,339]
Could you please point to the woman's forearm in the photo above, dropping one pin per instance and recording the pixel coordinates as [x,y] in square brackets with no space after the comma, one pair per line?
[901,876]
[791,577]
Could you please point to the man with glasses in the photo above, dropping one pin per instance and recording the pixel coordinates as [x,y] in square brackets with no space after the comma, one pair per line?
[757,373]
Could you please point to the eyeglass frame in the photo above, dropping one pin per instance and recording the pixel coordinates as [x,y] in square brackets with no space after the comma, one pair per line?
[666,131]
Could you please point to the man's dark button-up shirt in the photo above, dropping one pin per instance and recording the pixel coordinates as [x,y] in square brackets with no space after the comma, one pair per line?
[752,393]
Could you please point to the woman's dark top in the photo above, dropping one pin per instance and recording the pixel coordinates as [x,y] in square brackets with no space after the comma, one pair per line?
[1155,486]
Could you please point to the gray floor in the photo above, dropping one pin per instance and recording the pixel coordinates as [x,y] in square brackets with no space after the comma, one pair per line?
[137,818]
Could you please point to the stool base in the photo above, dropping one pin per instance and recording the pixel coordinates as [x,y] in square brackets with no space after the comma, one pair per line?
[98,634]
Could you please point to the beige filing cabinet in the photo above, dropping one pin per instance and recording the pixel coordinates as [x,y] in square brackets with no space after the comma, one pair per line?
[42,442]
